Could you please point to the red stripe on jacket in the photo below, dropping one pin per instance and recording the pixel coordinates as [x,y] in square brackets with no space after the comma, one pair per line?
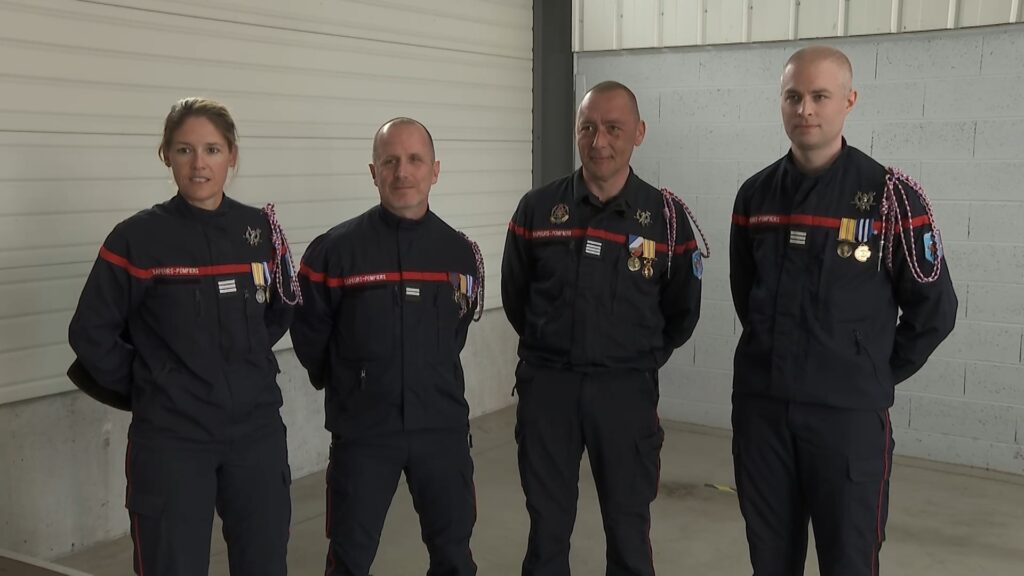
[372,277]
[812,221]
[548,233]
[173,271]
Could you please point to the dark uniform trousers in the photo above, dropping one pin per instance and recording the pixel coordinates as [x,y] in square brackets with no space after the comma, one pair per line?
[797,462]
[614,415]
[247,481]
[361,481]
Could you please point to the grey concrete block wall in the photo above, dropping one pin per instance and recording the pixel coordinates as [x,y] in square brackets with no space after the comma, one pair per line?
[945,107]
[62,486]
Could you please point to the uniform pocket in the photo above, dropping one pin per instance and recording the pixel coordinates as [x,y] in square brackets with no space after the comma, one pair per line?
[446,319]
[869,493]
[524,375]
[648,475]
[348,380]
[862,348]
[368,322]
[142,504]
[254,321]
[636,298]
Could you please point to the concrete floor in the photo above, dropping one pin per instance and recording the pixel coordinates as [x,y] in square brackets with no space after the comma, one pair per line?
[944,520]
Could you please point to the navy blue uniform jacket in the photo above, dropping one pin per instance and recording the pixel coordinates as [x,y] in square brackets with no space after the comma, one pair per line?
[169,319]
[567,289]
[817,327]
[380,329]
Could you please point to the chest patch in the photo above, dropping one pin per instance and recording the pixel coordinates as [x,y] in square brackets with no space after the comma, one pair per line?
[559,214]
[592,248]
[797,237]
[412,292]
[643,217]
[252,236]
[863,201]
[227,286]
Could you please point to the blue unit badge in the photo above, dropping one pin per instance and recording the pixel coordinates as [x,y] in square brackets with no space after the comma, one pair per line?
[932,247]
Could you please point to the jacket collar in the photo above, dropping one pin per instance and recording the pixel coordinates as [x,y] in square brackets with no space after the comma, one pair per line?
[622,202]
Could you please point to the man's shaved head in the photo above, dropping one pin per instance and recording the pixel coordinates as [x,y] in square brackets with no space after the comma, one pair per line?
[814,54]
[400,121]
[609,86]
[817,94]
[608,128]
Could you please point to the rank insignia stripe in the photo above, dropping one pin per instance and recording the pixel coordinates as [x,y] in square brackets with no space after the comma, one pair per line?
[592,248]
[412,292]
[227,286]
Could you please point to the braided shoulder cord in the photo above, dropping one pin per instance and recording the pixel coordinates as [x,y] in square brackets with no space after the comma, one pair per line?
[479,292]
[282,251]
[670,200]
[892,224]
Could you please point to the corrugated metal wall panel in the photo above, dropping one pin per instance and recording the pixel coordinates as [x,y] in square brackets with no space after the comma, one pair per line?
[612,25]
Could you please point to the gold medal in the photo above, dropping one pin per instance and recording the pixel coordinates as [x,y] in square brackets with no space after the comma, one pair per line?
[258,278]
[649,253]
[863,253]
[847,229]
[636,248]
[458,288]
